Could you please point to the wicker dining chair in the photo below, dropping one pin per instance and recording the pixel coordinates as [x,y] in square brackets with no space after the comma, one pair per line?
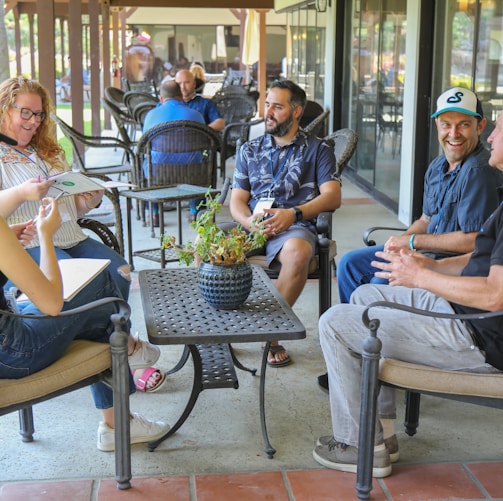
[237,109]
[344,142]
[134,98]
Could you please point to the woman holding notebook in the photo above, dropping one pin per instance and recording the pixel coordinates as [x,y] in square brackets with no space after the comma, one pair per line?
[29,345]
[25,108]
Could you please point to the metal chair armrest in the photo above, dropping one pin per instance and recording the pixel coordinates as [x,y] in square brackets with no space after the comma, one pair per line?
[366,234]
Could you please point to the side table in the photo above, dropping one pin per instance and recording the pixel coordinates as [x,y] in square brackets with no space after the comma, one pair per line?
[161,195]
[170,298]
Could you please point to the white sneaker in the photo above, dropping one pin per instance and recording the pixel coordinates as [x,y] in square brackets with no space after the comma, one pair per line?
[145,354]
[142,430]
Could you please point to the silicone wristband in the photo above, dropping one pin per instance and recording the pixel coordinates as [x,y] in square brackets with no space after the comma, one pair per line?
[411,242]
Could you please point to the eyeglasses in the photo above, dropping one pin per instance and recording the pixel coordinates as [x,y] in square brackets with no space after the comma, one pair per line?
[26,114]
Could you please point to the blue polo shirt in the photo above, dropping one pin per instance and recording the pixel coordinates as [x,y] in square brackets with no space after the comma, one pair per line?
[171,110]
[206,107]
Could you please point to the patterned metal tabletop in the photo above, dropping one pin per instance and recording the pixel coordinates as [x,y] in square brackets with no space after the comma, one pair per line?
[176,192]
[176,313]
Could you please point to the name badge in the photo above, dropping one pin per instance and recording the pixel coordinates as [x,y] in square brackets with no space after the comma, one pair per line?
[262,204]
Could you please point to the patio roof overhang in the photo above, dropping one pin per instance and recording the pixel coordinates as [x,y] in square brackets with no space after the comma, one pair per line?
[61,7]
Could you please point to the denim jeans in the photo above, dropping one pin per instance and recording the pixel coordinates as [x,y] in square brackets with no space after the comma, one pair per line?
[30,345]
[442,343]
[90,248]
[354,269]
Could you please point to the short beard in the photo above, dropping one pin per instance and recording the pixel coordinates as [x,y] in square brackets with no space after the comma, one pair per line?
[281,129]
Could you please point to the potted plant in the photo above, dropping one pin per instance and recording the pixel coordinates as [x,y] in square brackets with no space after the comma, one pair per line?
[224,274]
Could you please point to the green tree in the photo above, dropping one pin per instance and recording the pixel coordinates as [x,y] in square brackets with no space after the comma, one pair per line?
[4,54]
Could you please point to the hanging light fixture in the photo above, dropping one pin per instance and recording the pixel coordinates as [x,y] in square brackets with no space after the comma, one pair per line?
[321,5]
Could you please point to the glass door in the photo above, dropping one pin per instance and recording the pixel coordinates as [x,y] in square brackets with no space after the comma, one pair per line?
[375,87]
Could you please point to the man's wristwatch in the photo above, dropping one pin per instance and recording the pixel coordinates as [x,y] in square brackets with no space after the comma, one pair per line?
[298,215]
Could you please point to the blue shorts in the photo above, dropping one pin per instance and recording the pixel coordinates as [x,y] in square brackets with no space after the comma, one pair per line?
[274,245]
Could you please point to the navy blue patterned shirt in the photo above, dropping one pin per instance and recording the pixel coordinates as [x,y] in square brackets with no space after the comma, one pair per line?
[290,174]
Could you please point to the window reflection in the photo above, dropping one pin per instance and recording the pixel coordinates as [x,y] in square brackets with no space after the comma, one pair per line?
[375,84]
[471,41]
[305,58]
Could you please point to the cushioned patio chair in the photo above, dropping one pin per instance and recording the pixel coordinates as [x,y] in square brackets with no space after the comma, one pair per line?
[344,142]
[83,363]
[480,388]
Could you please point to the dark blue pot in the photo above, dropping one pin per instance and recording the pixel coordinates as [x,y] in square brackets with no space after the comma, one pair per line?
[225,286]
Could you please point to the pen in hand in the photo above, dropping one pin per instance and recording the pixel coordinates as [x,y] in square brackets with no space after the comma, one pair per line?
[60,194]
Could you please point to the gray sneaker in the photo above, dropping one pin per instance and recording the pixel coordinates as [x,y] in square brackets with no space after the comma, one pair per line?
[391,444]
[338,456]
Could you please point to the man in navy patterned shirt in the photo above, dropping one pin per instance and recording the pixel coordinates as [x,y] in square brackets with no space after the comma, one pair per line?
[285,178]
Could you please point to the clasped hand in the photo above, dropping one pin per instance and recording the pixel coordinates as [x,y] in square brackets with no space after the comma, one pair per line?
[401,268]
[274,221]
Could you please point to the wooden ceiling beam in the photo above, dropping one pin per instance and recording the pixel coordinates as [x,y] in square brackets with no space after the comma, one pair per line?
[214,4]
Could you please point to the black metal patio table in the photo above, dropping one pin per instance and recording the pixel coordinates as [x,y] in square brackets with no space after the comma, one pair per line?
[176,313]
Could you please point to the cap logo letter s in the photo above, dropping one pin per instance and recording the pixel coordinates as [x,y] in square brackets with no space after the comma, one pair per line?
[456,98]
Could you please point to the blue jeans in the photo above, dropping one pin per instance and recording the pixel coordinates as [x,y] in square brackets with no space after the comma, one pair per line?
[30,345]
[90,248]
[354,269]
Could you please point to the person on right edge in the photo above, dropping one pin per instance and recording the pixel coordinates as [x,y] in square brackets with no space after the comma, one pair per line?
[467,283]
[459,194]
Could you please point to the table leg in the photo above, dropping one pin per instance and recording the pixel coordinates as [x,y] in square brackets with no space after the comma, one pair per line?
[181,362]
[129,236]
[269,449]
[238,364]
[179,214]
[161,232]
[196,389]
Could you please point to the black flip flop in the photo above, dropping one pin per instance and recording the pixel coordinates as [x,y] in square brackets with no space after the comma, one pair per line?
[275,349]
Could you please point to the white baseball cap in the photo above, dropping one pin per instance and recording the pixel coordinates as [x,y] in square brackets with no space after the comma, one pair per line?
[459,99]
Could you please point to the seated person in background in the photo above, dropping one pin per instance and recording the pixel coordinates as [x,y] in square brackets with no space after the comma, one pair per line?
[205,106]
[37,156]
[459,194]
[30,345]
[168,72]
[172,108]
[287,178]
[460,284]
[64,86]
[197,70]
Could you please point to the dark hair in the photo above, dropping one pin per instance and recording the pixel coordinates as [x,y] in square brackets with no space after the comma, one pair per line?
[170,90]
[480,111]
[297,94]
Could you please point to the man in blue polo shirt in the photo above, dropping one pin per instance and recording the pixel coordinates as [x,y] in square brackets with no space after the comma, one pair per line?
[205,106]
[171,108]
[285,178]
